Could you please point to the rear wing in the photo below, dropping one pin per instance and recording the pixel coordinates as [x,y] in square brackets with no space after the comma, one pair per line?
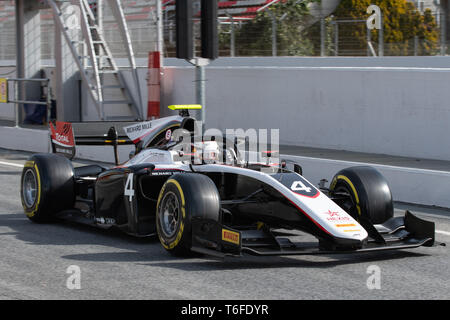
[62,138]
[64,141]
[141,134]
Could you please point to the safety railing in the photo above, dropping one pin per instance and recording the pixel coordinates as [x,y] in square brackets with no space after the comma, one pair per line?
[4,84]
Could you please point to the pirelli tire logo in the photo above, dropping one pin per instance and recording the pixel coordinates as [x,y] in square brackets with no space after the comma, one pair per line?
[231,236]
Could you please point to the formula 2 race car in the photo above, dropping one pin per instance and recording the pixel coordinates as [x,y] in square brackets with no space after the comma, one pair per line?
[203,196]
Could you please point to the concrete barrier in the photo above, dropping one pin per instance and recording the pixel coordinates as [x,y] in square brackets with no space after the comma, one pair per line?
[383,110]
[24,139]
[391,105]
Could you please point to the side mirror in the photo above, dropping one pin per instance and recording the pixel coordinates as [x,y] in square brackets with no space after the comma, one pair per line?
[298,169]
[132,154]
[291,165]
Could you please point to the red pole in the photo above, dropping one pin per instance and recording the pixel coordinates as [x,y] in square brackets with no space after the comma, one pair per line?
[154,85]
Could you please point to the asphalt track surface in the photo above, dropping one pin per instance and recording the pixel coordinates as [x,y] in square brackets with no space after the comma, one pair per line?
[34,260]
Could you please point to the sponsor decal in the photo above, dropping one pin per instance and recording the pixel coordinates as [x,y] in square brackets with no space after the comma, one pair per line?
[168,134]
[162,173]
[62,134]
[332,213]
[334,216]
[3,90]
[138,127]
[102,220]
[138,131]
[62,138]
[230,236]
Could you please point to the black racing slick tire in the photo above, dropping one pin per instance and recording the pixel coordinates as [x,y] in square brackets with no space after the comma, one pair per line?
[369,195]
[182,198]
[47,186]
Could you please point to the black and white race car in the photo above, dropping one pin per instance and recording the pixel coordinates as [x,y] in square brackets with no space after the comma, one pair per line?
[204,196]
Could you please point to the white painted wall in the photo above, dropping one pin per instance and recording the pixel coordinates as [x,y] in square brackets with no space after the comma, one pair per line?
[387,106]
[24,139]
[392,105]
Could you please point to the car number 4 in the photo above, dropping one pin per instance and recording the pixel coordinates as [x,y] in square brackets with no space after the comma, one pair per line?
[300,186]
[129,190]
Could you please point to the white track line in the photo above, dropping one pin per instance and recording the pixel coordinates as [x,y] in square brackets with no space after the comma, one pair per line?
[17,165]
[21,166]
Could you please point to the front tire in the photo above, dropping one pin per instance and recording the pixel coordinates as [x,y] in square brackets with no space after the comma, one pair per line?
[183,198]
[47,186]
[368,194]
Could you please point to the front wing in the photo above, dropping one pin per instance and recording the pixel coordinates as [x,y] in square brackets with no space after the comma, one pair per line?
[212,238]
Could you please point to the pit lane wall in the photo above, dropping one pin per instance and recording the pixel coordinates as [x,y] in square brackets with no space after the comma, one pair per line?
[393,105]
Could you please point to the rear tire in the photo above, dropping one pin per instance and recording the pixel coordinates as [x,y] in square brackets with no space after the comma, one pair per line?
[369,195]
[182,198]
[47,186]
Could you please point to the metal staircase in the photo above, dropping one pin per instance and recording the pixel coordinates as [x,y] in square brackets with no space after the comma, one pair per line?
[99,73]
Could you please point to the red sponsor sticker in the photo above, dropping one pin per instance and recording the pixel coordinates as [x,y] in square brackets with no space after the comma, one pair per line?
[335,217]
[62,134]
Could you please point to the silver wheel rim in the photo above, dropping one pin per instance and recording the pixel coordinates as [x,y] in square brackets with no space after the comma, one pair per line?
[29,190]
[169,218]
